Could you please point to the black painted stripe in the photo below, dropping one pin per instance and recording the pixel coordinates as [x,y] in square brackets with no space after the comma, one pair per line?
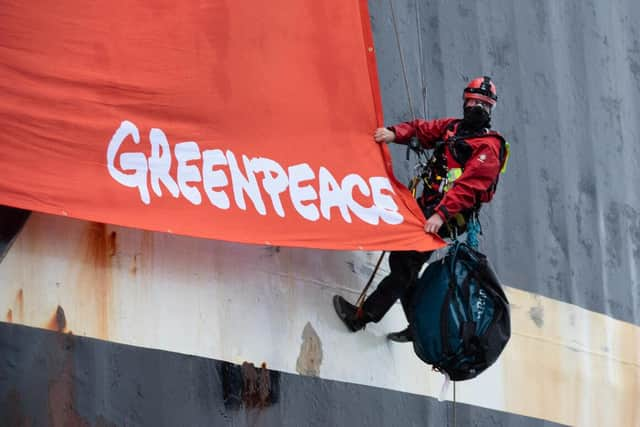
[48,378]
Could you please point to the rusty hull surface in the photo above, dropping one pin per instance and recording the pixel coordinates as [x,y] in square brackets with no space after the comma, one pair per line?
[197,297]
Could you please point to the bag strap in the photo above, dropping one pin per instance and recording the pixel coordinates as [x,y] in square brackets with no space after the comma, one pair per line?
[453,256]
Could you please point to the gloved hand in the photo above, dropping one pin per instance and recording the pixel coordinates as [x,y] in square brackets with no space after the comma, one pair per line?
[384,135]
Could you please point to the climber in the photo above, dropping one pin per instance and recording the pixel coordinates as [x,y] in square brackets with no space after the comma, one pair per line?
[460,176]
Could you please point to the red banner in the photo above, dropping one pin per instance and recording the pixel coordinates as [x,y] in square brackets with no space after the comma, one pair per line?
[248,121]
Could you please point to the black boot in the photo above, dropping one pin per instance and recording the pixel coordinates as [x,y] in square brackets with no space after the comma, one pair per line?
[347,312]
[404,335]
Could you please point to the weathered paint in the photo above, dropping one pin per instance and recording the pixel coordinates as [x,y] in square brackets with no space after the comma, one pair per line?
[200,297]
[310,357]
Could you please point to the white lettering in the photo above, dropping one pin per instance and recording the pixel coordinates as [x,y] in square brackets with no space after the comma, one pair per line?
[215,178]
[128,161]
[242,184]
[160,163]
[274,181]
[186,152]
[299,194]
[481,303]
[331,195]
[351,181]
[387,209]
[310,196]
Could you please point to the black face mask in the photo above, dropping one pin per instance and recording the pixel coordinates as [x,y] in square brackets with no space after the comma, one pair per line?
[475,117]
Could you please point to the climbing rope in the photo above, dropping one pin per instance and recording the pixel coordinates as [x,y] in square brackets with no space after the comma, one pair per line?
[454,404]
[363,294]
[420,58]
[404,68]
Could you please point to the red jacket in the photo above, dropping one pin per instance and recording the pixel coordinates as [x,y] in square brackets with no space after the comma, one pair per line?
[481,170]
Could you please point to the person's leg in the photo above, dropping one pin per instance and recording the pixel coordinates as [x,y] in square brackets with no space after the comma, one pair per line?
[404,267]
[406,299]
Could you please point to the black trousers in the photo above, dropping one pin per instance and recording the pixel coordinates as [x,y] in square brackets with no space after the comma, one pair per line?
[404,267]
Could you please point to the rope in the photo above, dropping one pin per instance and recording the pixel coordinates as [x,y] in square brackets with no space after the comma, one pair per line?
[404,68]
[421,59]
[363,294]
[454,404]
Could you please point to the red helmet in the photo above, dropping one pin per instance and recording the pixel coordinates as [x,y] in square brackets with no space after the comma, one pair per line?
[481,88]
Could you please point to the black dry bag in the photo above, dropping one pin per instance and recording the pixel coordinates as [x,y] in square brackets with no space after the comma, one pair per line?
[460,314]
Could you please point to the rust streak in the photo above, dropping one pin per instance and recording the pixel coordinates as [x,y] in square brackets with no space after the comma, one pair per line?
[134,265]
[112,243]
[95,278]
[58,321]
[264,386]
[61,319]
[61,396]
[20,305]
[9,316]
[15,415]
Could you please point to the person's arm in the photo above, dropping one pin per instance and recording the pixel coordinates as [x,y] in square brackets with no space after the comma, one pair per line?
[479,173]
[427,131]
